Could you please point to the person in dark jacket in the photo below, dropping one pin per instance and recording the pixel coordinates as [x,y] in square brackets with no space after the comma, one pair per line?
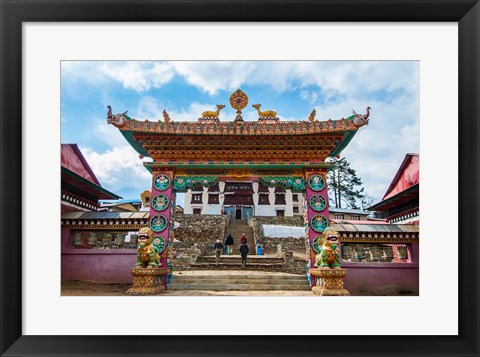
[218,247]
[229,244]
[244,253]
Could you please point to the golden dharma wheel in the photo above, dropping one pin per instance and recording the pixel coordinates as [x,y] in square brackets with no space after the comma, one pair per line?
[238,100]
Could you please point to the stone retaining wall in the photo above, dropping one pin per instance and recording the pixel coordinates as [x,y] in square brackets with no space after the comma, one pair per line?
[183,254]
[200,228]
[277,245]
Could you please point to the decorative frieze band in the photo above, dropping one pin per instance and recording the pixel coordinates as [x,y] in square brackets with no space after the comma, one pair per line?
[129,227]
[183,183]
[286,182]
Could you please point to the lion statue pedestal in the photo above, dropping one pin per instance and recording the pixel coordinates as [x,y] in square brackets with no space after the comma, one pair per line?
[331,283]
[329,274]
[148,281]
[148,277]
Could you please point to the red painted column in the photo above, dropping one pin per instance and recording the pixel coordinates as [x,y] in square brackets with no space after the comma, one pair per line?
[317,214]
[161,212]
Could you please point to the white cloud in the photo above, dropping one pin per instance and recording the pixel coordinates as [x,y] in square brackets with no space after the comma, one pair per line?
[377,150]
[107,133]
[118,167]
[309,96]
[86,71]
[354,79]
[149,108]
[212,76]
[139,76]
[152,109]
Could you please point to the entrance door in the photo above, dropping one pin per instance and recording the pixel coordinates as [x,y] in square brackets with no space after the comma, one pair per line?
[247,212]
[238,213]
[229,211]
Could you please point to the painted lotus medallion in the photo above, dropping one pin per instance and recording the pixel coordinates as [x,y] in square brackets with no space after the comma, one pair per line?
[161,182]
[159,244]
[316,182]
[317,244]
[318,203]
[158,223]
[319,223]
[160,203]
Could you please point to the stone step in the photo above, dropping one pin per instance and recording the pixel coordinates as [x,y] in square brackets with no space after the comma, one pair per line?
[233,266]
[238,221]
[238,235]
[238,260]
[237,287]
[244,280]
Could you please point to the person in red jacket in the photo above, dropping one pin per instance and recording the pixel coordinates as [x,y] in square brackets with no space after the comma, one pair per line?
[243,239]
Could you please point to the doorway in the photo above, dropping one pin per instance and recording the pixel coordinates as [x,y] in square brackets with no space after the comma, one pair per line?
[238,213]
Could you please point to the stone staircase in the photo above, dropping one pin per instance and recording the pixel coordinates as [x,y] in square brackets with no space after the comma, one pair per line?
[234,262]
[239,281]
[236,228]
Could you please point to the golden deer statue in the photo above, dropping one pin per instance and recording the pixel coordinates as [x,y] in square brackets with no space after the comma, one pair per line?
[266,113]
[215,114]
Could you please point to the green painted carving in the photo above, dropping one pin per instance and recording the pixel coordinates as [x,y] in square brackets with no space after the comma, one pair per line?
[161,182]
[316,182]
[159,244]
[183,183]
[160,203]
[318,223]
[293,183]
[158,223]
[318,203]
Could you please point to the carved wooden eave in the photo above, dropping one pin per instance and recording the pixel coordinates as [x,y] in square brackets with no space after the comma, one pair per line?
[230,142]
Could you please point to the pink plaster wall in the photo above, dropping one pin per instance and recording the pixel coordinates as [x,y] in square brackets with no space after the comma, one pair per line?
[381,278]
[103,266]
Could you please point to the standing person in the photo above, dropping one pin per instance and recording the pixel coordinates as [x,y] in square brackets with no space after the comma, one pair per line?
[243,239]
[229,244]
[244,253]
[218,250]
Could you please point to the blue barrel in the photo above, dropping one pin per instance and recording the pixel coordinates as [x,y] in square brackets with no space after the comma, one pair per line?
[259,250]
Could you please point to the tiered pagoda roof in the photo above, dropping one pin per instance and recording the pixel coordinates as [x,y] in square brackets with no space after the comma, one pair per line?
[266,142]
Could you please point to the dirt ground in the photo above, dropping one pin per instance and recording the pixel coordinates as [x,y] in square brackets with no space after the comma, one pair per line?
[82,288]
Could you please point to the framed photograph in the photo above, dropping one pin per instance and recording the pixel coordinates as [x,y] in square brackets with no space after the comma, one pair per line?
[438,41]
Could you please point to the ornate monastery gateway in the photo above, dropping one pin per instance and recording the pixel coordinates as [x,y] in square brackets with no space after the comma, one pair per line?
[286,154]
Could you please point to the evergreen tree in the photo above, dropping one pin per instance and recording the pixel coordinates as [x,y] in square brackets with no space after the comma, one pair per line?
[344,186]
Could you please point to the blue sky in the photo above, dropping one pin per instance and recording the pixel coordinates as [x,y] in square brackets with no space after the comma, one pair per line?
[292,88]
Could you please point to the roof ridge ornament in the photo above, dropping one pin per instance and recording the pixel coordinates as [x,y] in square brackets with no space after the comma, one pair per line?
[211,116]
[166,117]
[238,101]
[117,120]
[361,120]
[267,116]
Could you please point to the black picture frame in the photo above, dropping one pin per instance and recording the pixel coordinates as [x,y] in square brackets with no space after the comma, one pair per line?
[13,13]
